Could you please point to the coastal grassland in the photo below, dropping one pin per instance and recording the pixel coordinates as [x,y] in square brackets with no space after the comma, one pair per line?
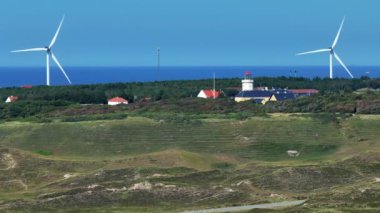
[139,164]
[265,139]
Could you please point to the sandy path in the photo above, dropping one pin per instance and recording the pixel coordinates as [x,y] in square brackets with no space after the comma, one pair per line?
[249,207]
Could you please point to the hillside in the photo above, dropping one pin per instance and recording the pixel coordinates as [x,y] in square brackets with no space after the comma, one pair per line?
[152,165]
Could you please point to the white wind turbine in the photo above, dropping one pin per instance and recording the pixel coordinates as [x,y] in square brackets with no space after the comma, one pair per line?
[332,53]
[49,54]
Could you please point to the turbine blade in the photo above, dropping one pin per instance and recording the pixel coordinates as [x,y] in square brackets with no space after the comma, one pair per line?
[338,34]
[60,67]
[56,33]
[30,50]
[343,65]
[314,51]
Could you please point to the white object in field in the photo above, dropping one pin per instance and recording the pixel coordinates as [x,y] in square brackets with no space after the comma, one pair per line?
[293,153]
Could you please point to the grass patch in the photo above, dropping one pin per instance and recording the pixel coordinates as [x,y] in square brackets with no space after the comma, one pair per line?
[223,165]
[43,152]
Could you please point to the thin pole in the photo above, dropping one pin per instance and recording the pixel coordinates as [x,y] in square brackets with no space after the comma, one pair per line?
[214,86]
[158,62]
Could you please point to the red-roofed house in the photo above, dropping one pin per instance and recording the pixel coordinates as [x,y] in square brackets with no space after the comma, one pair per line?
[116,101]
[208,94]
[11,99]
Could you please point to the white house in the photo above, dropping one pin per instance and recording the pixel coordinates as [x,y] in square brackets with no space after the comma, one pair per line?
[208,94]
[116,101]
[11,99]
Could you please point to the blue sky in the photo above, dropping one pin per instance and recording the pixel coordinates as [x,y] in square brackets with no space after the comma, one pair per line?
[189,32]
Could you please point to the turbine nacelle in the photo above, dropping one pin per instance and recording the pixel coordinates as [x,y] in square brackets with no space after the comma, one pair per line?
[48,50]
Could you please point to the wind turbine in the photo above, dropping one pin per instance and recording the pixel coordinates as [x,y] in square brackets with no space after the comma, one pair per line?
[332,53]
[49,54]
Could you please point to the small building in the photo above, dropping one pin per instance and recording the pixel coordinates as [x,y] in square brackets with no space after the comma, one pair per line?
[116,101]
[11,99]
[248,93]
[303,92]
[208,94]
[262,95]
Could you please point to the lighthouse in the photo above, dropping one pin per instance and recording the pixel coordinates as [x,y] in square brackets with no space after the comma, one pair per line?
[247,82]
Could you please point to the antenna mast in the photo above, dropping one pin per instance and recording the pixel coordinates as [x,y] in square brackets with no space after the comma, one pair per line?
[214,85]
[158,62]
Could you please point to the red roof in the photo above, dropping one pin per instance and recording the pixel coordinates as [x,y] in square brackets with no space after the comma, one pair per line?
[26,86]
[307,91]
[210,93]
[247,72]
[13,98]
[117,99]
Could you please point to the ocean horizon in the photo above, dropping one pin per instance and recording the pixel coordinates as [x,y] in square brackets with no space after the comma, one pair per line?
[20,76]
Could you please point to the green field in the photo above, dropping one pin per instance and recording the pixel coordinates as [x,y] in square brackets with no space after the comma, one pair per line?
[143,165]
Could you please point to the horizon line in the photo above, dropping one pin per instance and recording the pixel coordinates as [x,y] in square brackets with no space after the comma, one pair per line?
[118,66]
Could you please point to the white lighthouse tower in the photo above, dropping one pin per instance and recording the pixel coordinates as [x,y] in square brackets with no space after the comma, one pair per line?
[247,82]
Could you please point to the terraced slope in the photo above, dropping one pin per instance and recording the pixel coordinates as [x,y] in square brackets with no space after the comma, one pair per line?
[260,138]
[142,165]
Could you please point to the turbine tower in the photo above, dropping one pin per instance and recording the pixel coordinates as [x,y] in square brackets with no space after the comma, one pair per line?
[332,52]
[49,54]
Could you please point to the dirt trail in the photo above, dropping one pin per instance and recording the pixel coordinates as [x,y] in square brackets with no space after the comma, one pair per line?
[249,207]
[16,181]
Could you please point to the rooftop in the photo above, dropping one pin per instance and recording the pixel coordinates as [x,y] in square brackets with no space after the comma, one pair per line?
[117,99]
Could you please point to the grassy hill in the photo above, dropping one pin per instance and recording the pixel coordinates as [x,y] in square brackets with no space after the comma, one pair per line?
[144,165]
[256,138]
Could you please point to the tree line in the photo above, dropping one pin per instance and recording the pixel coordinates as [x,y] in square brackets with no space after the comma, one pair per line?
[335,95]
[99,93]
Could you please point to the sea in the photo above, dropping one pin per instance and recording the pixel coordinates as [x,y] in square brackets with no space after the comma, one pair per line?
[21,76]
